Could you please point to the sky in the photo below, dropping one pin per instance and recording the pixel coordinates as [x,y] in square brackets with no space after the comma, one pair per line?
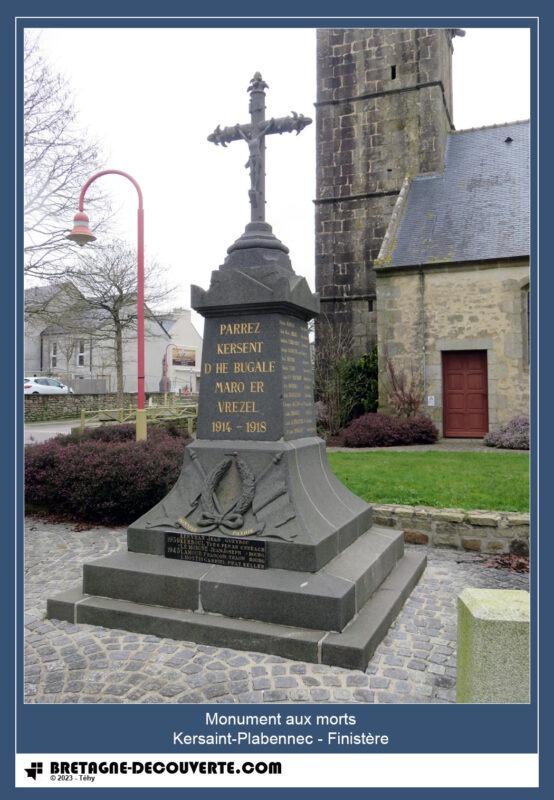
[151,97]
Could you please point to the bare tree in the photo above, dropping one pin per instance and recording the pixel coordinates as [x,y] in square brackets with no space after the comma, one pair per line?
[405,389]
[67,346]
[103,310]
[58,159]
[333,346]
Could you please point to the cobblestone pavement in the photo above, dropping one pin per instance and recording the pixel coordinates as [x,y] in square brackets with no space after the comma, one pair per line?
[66,663]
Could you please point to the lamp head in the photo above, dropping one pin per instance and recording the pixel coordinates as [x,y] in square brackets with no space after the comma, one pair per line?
[81,232]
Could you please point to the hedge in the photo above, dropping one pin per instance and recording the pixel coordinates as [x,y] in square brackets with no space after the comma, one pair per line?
[103,476]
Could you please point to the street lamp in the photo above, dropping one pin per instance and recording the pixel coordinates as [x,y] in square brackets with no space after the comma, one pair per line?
[82,234]
[164,371]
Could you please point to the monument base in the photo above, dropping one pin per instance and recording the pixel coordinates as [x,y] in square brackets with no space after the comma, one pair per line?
[304,575]
[351,648]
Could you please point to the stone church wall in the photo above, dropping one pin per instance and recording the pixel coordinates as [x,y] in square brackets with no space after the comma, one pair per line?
[440,308]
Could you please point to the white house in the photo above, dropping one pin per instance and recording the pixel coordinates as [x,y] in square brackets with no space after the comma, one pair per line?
[64,337]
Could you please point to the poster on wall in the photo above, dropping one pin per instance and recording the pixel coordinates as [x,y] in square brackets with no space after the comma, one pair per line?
[184,357]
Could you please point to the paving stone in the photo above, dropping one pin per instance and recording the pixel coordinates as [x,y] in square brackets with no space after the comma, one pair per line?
[379,682]
[274,696]
[364,696]
[238,687]
[300,695]
[309,680]
[436,669]
[357,679]
[320,695]
[250,697]
[395,672]
[216,691]
[285,682]
[331,680]
[261,683]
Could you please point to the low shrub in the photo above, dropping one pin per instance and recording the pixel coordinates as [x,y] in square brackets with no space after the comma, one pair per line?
[514,435]
[380,430]
[121,433]
[103,476]
[419,430]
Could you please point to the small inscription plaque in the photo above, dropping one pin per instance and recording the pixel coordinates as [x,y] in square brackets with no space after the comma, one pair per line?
[222,550]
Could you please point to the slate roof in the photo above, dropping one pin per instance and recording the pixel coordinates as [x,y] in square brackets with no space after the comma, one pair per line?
[88,319]
[40,295]
[476,209]
[37,298]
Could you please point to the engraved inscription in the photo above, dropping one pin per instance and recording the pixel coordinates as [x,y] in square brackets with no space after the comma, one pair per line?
[240,385]
[257,379]
[216,550]
[298,400]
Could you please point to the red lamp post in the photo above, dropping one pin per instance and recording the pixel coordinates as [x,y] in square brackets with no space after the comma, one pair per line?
[82,234]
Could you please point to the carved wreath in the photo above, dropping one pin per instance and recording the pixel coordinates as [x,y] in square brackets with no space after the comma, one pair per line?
[212,516]
[230,521]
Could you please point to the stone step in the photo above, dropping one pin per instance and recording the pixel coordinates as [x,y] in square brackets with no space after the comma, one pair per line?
[351,649]
[325,600]
[355,646]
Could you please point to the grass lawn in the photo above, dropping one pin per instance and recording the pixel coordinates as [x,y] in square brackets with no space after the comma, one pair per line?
[489,481]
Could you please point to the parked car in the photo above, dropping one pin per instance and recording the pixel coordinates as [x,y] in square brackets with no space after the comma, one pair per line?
[46,386]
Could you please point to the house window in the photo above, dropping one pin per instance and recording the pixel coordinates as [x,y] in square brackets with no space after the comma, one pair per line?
[81,353]
[53,355]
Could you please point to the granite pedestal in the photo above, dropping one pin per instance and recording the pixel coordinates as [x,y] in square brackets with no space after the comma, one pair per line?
[258,546]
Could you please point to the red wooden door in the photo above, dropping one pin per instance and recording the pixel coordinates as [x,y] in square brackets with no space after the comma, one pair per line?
[465,396]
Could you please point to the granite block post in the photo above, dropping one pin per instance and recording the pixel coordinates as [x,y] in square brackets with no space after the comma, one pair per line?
[493,646]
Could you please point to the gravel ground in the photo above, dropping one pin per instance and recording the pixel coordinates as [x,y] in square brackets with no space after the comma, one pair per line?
[66,663]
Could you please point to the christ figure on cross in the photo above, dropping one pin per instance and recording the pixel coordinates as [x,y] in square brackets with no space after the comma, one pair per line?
[254,164]
[254,135]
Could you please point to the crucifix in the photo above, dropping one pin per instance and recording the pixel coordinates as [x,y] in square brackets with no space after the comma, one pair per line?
[254,135]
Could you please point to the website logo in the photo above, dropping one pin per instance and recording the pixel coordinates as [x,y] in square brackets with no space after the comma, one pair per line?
[34,770]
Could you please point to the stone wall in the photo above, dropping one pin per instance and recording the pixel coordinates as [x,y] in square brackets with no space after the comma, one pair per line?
[384,108]
[476,531]
[422,313]
[44,407]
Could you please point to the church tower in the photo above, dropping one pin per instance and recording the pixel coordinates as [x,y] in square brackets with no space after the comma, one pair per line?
[384,109]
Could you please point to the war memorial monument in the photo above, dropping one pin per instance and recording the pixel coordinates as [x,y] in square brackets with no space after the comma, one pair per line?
[258,546]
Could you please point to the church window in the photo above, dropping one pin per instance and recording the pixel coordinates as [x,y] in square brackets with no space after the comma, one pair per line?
[393,72]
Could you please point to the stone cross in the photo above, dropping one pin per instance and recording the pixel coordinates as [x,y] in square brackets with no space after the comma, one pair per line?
[254,135]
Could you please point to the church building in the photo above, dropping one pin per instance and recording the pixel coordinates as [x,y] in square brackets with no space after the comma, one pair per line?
[422,232]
